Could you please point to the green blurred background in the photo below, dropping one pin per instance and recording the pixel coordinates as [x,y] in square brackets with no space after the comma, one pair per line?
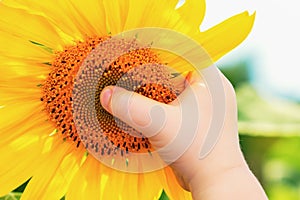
[269,129]
[264,71]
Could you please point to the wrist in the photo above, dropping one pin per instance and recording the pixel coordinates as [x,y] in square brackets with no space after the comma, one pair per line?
[225,157]
[203,185]
[235,183]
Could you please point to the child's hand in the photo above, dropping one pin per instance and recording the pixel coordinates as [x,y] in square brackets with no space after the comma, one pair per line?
[178,137]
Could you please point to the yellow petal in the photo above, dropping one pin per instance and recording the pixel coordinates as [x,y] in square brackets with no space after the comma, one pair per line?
[192,12]
[129,189]
[22,84]
[21,88]
[20,154]
[154,13]
[88,16]
[12,97]
[173,189]
[116,14]
[80,18]
[21,81]
[28,26]
[57,13]
[17,116]
[15,47]
[225,36]
[149,185]
[52,178]
[16,171]
[86,184]
[116,182]
[123,186]
[13,69]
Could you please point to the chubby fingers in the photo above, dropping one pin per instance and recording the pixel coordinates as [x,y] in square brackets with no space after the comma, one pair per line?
[170,128]
[143,114]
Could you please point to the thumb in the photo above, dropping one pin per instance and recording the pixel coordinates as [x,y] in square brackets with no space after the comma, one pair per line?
[142,113]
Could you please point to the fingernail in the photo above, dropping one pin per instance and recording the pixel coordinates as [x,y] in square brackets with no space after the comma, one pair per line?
[188,78]
[192,77]
[105,97]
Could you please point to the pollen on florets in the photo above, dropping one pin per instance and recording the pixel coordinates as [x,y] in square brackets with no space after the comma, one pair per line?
[125,72]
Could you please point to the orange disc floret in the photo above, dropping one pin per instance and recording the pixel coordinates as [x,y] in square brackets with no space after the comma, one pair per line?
[57,94]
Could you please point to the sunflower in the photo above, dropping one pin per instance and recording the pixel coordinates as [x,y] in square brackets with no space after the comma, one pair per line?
[43,44]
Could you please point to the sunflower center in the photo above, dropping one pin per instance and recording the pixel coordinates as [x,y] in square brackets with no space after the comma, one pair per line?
[114,137]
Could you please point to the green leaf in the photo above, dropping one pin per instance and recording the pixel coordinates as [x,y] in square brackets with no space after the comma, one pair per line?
[48,49]
[163,196]
[47,63]
[12,196]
